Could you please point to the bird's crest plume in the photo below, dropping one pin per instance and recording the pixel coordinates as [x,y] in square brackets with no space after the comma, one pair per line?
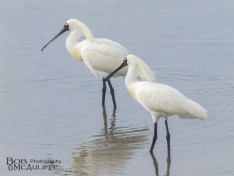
[144,71]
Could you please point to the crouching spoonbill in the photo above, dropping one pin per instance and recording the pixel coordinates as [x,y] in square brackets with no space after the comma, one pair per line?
[159,99]
[100,55]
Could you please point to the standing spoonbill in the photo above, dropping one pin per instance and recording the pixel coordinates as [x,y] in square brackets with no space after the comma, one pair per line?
[160,100]
[100,55]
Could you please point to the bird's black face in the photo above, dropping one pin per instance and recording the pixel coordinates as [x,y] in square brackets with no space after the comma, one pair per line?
[125,63]
[64,29]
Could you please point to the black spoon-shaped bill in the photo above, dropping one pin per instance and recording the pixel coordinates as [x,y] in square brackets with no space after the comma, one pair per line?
[120,67]
[64,29]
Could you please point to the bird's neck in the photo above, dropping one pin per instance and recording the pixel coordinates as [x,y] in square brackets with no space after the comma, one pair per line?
[76,34]
[72,39]
[131,76]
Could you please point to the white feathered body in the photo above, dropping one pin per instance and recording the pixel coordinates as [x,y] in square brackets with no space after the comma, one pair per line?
[163,101]
[100,55]
[159,99]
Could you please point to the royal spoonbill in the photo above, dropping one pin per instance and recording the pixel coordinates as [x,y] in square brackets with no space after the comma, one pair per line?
[159,99]
[100,55]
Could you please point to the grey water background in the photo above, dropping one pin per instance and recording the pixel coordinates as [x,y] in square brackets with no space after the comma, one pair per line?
[50,104]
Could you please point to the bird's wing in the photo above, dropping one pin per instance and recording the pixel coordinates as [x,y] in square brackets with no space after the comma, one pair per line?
[164,99]
[161,98]
[103,55]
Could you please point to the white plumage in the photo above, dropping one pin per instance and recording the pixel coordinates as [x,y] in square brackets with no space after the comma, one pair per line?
[100,55]
[160,100]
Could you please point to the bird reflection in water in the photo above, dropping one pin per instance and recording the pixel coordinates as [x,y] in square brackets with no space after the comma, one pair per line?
[109,150]
[156,164]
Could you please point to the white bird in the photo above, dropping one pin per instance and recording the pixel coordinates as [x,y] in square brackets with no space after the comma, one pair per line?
[160,100]
[100,55]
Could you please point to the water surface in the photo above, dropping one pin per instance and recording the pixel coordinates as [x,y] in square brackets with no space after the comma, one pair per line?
[51,104]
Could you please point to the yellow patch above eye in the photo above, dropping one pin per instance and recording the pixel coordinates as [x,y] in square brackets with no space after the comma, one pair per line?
[76,54]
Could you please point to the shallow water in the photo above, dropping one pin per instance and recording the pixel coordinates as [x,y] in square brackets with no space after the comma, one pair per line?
[51,104]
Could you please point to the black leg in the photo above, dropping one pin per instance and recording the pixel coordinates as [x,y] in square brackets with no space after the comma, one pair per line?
[112,93]
[168,138]
[154,138]
[103,92]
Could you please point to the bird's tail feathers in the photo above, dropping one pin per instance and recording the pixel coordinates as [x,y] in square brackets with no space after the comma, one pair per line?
[194,110]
